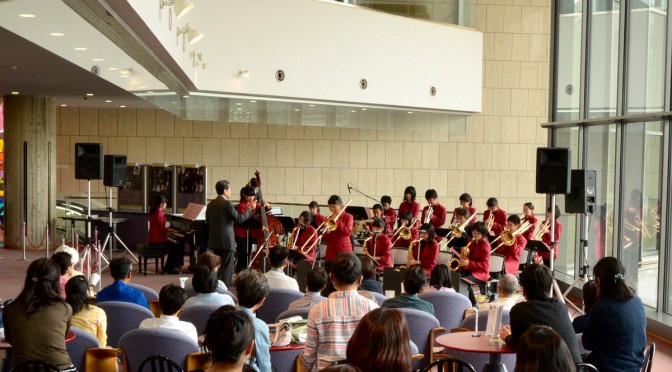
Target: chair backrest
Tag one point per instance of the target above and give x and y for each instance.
(198, 361)
(449, 365)
(159, 363)
(103, 359)
(586, 367)
(35, 366)
(302, 311)
(470, 321)
(380, 298)
(149, 293)
(648, 357)
(155, 308)
(278, 300)
(191, 292)
(399, 256)
(121, 318)
(198, 315)
(142, 343)
(524, 256)
(77, 347)
(449, 307)
(444, 258)
(420, 325)
(497, 263)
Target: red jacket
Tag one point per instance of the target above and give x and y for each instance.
(512, 254)
(438, 217)
(500, 220)
(339, 239)
(472, 211)
(413, 207)
(405, 242)
(383, 249)
(529, 233)
(157, 228)
(546, 239)
(428, 253)
(479, 259)
(239, 231)
(391, 219)
(317, 220)
(304, 235)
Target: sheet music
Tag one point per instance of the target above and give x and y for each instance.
(194, 212)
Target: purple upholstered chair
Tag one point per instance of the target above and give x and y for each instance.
(198, 315)
(423, 328)
(77, 347)
(449, 307)
(121, 318)
(380, 298)
(277, 302)
(149, 293)
(141, 343)
(303, 312)
(191, 292)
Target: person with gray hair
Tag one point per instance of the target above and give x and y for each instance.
(506, 290)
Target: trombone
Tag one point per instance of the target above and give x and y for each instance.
(330, 223)
(509, 238)
(457, 231)
(404, 232)
(542, 229)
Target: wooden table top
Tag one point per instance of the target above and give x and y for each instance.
(465, 341)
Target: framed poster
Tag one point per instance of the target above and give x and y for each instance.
(191, 185)
(160, 182)
(133, 197)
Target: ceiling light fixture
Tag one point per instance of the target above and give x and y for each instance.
(127, 71)
(80, 48)
(252, 101)
(97, 59)
(122, 106)
(15, 93)
(57, 34)
(244, 72)
(27, 15)
(108, 101)
(63, 105)
(89, 94)
(180, 7)
(192, 35)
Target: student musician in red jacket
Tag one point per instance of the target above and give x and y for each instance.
(317, 217)
(546, 238)
(512, 253)
(306, 237)
(476, 267)
(438, 216)
(499, 222)
(409, 204)
(465, 203)
(158, 235)
(243, 240)
(380, 246)
(428, 248)
(339, 239)
(379, 213)
(404, 220)
(528, 215)
(389, 212)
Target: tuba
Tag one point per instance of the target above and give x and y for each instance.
(454, 263)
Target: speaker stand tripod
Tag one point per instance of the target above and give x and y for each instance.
(91, 247)
(111, 234)
(584, 268)
(556, 289)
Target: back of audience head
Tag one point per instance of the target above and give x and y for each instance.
(63, 261)
(508, 284)
(415, 280)
(77, 293)
(440, 277)
(536, 281)
(610, 279)
(381, 342)
(209, 259)
(42, 285)
(120, 268)
(589, 296)
(368, 267)
(277, 256)
(316, 280)
(252, 287)
(204, 280)
(172, 298)
(341, 368)
(346, 270)
(541, 349)
(229, 336)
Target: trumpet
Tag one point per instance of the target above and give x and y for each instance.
(428, 216)
(491, 221)
(542, 229)
(330, 223)
(404, 232)
(509, 238)
(454, 264)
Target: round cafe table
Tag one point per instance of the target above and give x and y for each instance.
(466, 341)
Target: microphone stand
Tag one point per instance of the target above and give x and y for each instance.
(355, 189)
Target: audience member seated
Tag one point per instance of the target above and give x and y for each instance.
(539, 309)
(506, 290)
(86, 316)
(616, 328)
(316, 281)
(278, 258)
(171, 300)
(541, 349)
(38, 320)
(439, 279)
(589, 299)
(381, 342)
(415, 280)
(229, 339)
(369, 274)
(64, 262)
(332, 322)
(213, 262)
(252, 288)
(205, 284)
(121, 269)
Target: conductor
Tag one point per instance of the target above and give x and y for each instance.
(220, 216)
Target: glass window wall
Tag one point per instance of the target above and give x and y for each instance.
(603, 61)
(568, 63)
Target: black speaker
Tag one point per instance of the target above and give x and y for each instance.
(553, 170)
(115, 171)
(581, 198)
(88, 161)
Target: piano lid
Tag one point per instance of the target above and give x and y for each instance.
(193, 212)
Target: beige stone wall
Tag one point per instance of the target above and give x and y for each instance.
(496, 156)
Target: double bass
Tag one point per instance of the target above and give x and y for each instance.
(268, 236)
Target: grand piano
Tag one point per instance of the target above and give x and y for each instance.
(190, 227)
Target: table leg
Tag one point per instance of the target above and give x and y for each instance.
(495, 364)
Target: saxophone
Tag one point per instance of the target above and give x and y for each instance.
(409, 256)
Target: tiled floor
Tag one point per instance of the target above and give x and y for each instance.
(12, 275)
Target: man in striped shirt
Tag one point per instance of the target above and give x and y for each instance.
(333, 321)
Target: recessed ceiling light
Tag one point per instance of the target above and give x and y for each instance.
(57, 34)
(143, 87)
(64, 105)
(15, 93)
(238, 104)
(108, 101)
(311, 105)
(364, 109)
(297, 110)
(89, 94)
(26, 15)
(80, 48)
(124, 75)
(122, 106)
(134, 82)
(97, 59)
(185, 96)
(353, 110)
(253, 101)
(113, 68)
(410, 112)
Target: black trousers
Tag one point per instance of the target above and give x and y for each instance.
(175, 258)
(243, 248)
(225, 272)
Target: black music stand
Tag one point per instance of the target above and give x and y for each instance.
(442, 232)
(359, 213)
(393, 279)
(535, 246)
